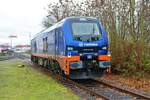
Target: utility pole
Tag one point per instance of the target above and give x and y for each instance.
(11, 37)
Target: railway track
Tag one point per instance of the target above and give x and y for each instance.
(110, 91)
(139, 94)
(100, 88)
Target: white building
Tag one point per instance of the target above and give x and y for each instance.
(22, 48)
(4, 48)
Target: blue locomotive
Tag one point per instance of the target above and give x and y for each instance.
(75, 46)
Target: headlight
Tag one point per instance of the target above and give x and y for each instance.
(69, 55)
(80, 54)
(108, 54)
(95, 54)
(104, 48)
(69, 48)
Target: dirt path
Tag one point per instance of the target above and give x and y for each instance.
(135, 83)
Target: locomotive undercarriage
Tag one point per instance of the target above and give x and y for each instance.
(83, 69)
(89, 69)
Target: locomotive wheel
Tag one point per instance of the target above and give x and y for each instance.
(52, 65)
(59, 70)
(36, 60)
(45, 63)
(40, 61)
(49, 64)
(55, 66)
(32, 59)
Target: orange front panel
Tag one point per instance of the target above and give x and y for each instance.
(65, 60)
(103, 57)
(73, 58)
(62, 61)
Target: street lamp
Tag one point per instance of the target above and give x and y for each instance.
(11, 37)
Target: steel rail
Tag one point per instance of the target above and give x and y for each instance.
(124, 89)
(87, 89)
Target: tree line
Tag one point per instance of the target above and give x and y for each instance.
(127, 23)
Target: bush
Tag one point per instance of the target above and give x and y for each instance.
(129, 58)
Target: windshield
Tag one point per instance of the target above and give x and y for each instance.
(86, 30)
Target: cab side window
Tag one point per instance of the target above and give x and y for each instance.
(45, 45)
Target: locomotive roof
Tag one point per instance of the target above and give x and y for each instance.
(62, 21)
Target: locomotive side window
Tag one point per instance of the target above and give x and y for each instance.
(35, 47)
(61, 40)
(45, 45)
(61, 33)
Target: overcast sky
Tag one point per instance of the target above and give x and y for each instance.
(21, 18)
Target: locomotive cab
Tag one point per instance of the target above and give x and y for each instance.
(86, 48)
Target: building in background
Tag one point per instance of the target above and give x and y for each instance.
(22, 48)
(4, 48)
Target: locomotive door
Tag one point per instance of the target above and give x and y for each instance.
(57, 44)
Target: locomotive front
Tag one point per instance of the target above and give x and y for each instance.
(86, 48)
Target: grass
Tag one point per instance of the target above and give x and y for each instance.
(5, 56)
(26, 83)
(2, 54)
